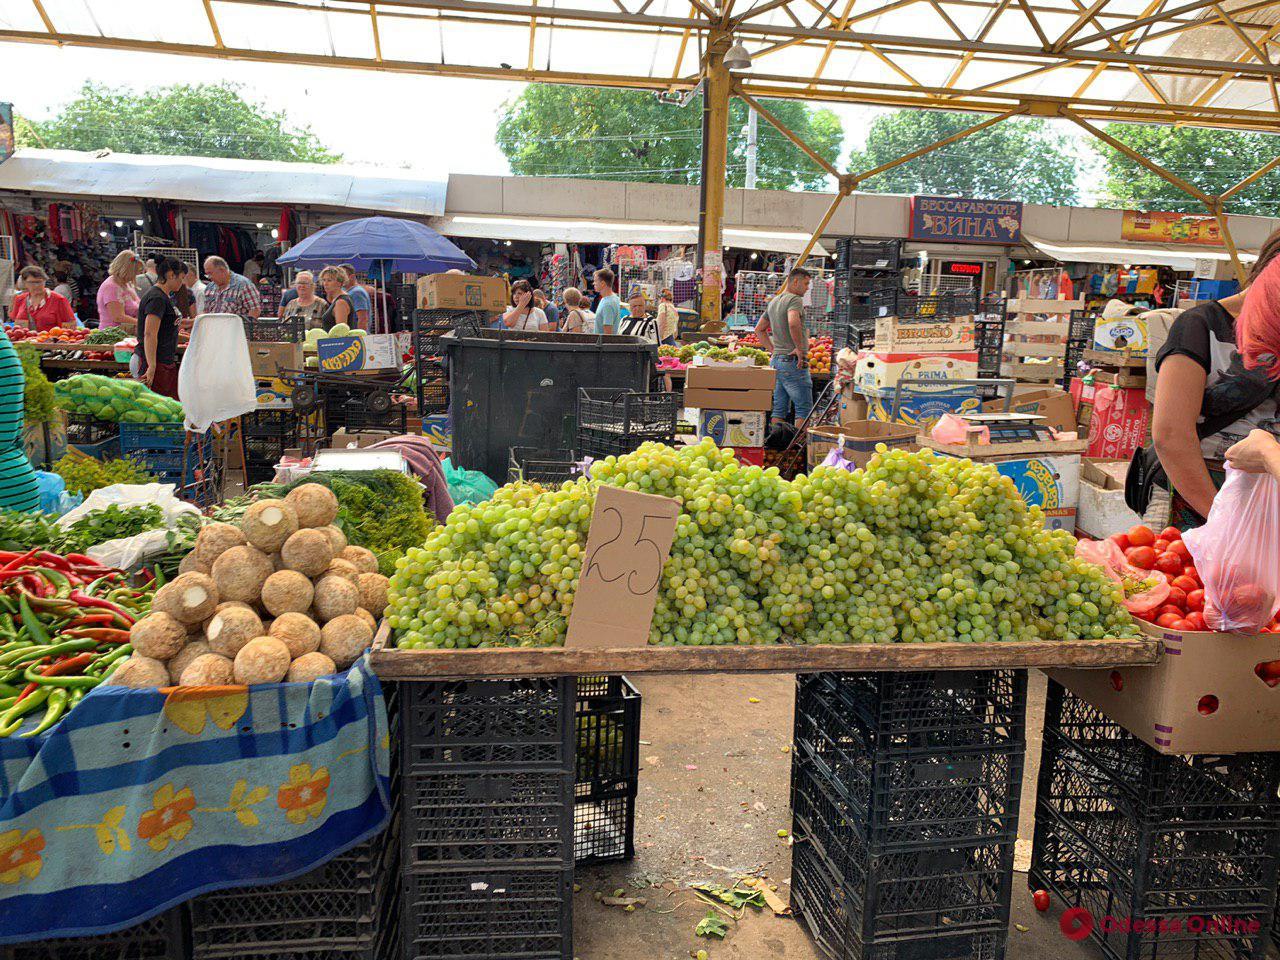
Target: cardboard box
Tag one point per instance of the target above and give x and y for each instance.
(458, 291)
(853, 405)
(1055, 407)
(382, 351)
(1122, 335)
(1119, 422)
(268, 359)
(342, 440)
(858, 441)
(920, 410)
(273, 394)
(731, 428)
(729, 388)
(1051, 483)
(904, 336)
(882, 371)
(1203, 696)
(750, 456)
(1101, 510)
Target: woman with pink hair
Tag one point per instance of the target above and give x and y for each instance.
(1218, 374)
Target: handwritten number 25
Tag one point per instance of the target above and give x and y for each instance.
(638, 564)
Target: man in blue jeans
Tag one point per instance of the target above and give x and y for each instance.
(781, 330)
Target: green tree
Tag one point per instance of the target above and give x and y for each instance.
(1212, 160)
(597, 133)
(200, 120)
(1013, 160)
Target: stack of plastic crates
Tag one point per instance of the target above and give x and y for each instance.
(754, 289)
(547, 467)
(608, 769)
(487, 844)
(165, 448)
(1079, 336)
(429, 326)
(275, 329)
(612, 422)
(863, 268)
(163, 937)
(904, 793)
(267, 434)
(94, 437)
(1186, 848)
(350, 410)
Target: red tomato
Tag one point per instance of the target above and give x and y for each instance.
(1169, 564)
(1196, 619)
(1184, 583)
(1190, 571)
(1170, 534)
(1141, 536)
(1144, 558)
(1041, 899)
(1177, 597)
(1180, 548)
(1183, 625)
(1167, 620)
(1160, 546)
(1121, 540)
(1195, 599)
(1170, 608)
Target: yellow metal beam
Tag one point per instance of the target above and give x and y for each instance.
(1223, 79)
(860, 178)
(1193, 7)
(533, 34)
(377, 36)
(822, 224)
(44, 18)
(1250, 179)
(213, 25)
(1216, 209)
(786, 131)
(715, 162)
(1035, 24)
(1128, 151)
(1083, 17)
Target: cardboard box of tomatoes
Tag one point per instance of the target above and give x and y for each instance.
(1210, 692)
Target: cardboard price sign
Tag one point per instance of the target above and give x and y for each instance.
(627, 546)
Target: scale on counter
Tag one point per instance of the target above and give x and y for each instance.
(1010, 427)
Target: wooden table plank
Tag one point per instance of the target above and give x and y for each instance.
(391, 663)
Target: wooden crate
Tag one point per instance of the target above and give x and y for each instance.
(1109, 359)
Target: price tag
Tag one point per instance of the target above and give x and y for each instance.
(627, 546)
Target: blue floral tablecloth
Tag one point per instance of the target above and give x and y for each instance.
(141, 799)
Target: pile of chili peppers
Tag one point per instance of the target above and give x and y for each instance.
(64, 628)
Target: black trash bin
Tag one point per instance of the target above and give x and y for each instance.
(520, 389)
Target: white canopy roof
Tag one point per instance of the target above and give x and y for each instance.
(218, 180)
(1179, 256)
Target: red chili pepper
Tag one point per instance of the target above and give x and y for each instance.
(37, 586)
(20, 560)
(92, 618)
(29, 689)
(69, 665)
(14, 574)
(101, 634)
(87, 601)
(53, 560)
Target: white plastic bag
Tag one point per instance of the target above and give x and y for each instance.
(215, 381)
(128, 551)
(1237, 552)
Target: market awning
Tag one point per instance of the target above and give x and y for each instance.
(1179, 256)
(622, 232)
(220, 180)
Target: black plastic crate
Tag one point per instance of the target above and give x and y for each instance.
(607, 774)
(433, 385)
(429, 326)
(275, 329)
(895, 302)
(85, 431)
(511, 723)
(1174, 842)
(547, 467)
(614, 422)
(270, 423)
(857, 901)
(504, 914)
(163, 937)
(345, 905)
(474, 816)
(856, 253)
(262, 454)
(988, 338)
(351, 412)
(1081, 325)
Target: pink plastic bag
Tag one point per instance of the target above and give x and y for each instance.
(1237, 553)
(953, 429)
(1144, 590)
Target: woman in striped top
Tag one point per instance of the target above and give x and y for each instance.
(18, 487)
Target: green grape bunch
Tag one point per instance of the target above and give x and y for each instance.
(915, 548)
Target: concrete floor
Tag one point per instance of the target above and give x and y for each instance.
(714, 785)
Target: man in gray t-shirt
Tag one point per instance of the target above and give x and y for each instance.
(781, 331)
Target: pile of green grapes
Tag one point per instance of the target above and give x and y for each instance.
(916, 548)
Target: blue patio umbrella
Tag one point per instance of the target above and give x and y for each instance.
(384, 242)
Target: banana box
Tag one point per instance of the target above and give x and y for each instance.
(1121, 335)
(380, 351)
(1050, 483)
(273, 393)
(920, 408)
(882, 371)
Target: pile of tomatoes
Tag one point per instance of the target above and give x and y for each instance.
(820, 355)
(55, 335)
(1165, 553)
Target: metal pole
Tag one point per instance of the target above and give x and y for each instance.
(715, 158)
(752, 146)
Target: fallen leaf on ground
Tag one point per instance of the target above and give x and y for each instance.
(712, 926)
(779, 907)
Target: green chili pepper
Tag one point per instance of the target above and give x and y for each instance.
(82, 682)
(8, 690)
(158, 580)
(58, 579)
(7, 629)
(56, 707)
(12, 718)
(31, 621)
(106, 660)
(78, 645)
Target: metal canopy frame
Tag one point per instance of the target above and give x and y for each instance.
(1208, 63)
